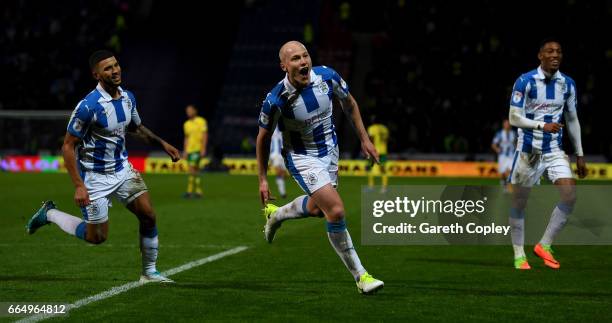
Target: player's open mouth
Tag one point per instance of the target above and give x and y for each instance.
(304, 71)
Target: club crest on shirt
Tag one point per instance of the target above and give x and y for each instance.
(312, 178)
(264, 119)
(323, 87)
(342, 83)
(78, 125)
(517, 96)
(563, 87)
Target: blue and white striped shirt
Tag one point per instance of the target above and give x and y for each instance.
(101, 122)
(505, 140)
(545, 101)
(305, 116)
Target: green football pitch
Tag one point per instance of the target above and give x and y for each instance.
(297, 278)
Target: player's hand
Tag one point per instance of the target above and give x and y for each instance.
(553, 127)
(174, 154)
(369, 151)
(264, 193)
(581, 168)
(185, 155)
(202, 153)
(81, 197)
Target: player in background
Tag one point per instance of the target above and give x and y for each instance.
(503, 145)
(379, 135)
(194, 149)
(301, 105)
(277, 162)
(540, 100)
(97, 162)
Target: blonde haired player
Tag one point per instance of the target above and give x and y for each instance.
(379, 134)
(196, 139)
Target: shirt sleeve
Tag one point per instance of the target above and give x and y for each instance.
(521, 87)
(134, 111)
(269, 113)
(80, 119)
(570, 102)
(341, 89)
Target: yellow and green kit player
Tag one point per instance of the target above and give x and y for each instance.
(379, 134)
(196, 139)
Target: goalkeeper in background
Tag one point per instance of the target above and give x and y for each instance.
(379, 134)
(196, 139)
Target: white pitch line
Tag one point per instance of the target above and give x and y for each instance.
(124, 288)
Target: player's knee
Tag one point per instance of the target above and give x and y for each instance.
(96, 239)
(336, 213)
(315, 212)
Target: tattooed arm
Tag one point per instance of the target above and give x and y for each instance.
(150, 138)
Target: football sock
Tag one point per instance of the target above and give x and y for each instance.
(385, 180)
(293, 210)
(280, 183)
(557, 221)
(68, 223)
(198, 188)
(149, 245)
(519, 251)
(517, 231)
(190, 180)
(370, 179)
(340, 239)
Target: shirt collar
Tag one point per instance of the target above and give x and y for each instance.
(542, 76)
(107, 97)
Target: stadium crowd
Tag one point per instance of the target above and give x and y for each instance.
(439, 74)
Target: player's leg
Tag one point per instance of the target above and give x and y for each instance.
(301, 207)
(197, 184)
(559, 172)
(524, 174)
(383, 171)
(520, 195)
(94, 229)
(371, 173)
(280, 181)
(149, 242)
(190, 176)
(133, 194)
(96, 216)
(328, 200)
(558, 218)
(195, 172)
